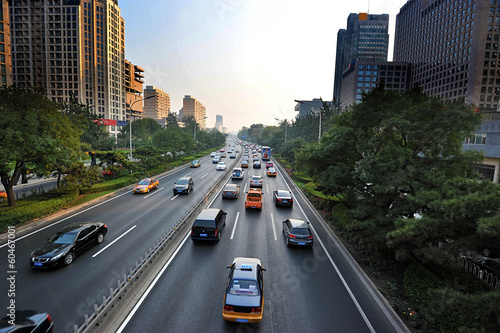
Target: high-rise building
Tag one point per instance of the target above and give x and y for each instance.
(70, 48)
(133, 88)
(366, 38)
(312, 107)
(5, 51)
(453, 48)
(192, 107)
(158, 107)
(218, 123)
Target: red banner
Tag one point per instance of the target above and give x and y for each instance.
(106, 122)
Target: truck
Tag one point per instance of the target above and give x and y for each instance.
(254, 199)
(266, 153)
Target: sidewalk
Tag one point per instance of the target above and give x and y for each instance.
(34, 180)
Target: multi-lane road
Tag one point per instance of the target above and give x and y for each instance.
(317, 290)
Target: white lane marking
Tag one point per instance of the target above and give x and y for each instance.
(126, 232)
(151, 286)
(187, 174)
(245, 188)
(174, 197)
(66, 218)
(274, 229)
(235, 223)
(204, 175)
(151, 193)
(344, 282)
(267, 187)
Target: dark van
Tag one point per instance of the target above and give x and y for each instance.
(208, 225)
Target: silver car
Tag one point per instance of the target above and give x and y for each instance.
(231, 191)
(237, 173)
(256, 181)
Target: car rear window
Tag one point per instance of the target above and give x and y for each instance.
(254, 195)
(204, 224)
(300, 231)
(243, 287)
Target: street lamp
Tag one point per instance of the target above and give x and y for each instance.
(319, 111)
(130, 122)
(286, 126)
(196, 123)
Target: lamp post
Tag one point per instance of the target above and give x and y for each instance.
(319, 111)
(130, 122)
(196, 123)
(286, 126)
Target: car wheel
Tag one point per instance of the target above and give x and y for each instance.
(218, 236)
(147, 191)
(68, 258)
(287, 241)
(100, 238)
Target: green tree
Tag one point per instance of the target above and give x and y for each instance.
(387, 149)
(33, 132)
(143, 131)
(173, 141)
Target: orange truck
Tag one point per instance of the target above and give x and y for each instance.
(254, 199)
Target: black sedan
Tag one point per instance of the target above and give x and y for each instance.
(282, 198)
(67, 243)
(26, 321)
(297, 232)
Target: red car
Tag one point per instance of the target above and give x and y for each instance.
(269, 165)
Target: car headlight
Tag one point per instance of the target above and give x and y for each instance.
(57, 257)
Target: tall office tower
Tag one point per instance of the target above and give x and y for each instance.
(192, 107)
(366, 38)
(453, 48)
(158, 107)
(218, 123)
(5, 53)
(133, 87)
(72, 47)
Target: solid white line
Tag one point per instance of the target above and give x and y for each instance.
(267, 187)
(151, 286)
(126, 232)
(204, 175)
(151, 193)
(235, 223)
(174, 197)
(274, 229)
(245, 190)
(64, 219)
(344, 282)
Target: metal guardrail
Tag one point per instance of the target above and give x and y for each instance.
(143, 266)
(490, 279)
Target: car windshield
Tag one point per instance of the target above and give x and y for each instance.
(284, 194)
(243, 287)
(63, 238)
(194, 162)
(182, 182)
(144, 182)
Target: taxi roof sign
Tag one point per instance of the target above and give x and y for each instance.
(246, 266)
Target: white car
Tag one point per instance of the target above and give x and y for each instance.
(221, 166)
(256, 181)
(215, 160)
(212, 154)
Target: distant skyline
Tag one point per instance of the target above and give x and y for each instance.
(247, 60)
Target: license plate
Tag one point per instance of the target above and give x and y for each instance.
(241, 320)
(203, 235)
(302, 243)
(285, 201)
(38, 264)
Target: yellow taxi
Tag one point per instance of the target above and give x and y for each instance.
(271, 172)
(146, 185)
(244, 164)
(3, 194)
(244, 295)
(195, 164)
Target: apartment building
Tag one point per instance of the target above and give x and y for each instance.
(134, 80)
(157, 108)
(193, 107)
(5, 51)
(72, 48)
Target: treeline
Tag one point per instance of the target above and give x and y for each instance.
(405, 189)
(40, 136)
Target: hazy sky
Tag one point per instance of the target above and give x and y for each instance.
(246, 60)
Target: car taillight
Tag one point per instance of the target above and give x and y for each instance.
(256, 310)
(216, 231)
(310, 237)
(48, 318)
(228, 308)
(192, 231)
(224, 192)
(280, 200)
(104, 226)
(292, 236)
(290, 200)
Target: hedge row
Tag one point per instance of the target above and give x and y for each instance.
(21, 213)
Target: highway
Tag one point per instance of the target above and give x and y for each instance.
(316, 290)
